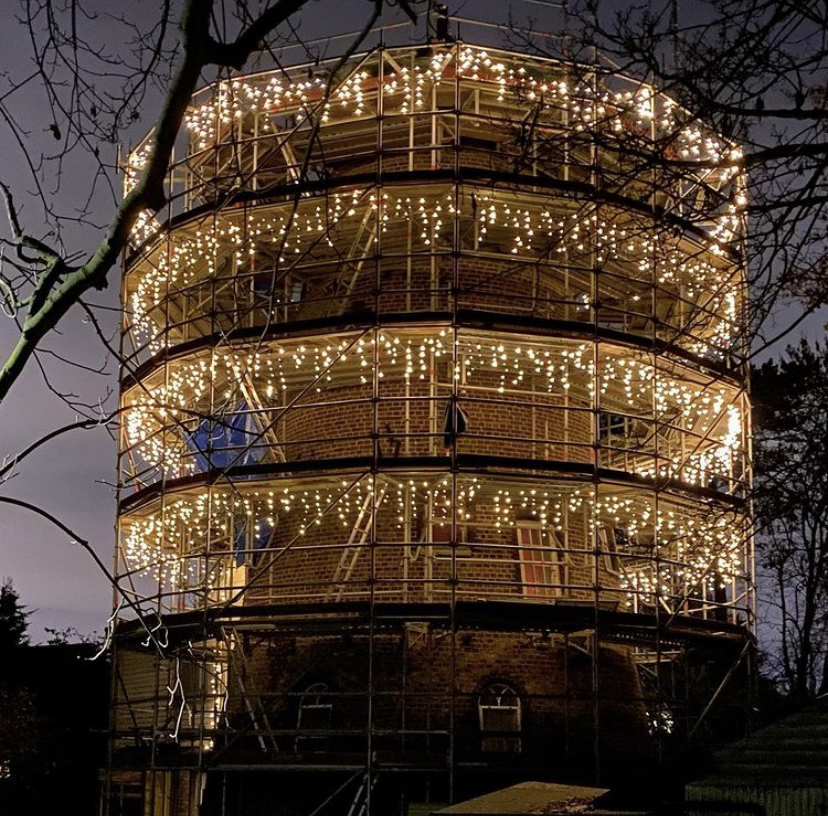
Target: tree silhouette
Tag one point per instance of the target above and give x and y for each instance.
(40, 279)
(13, 619)
(791, 499)
(755, 72)
(96, 73)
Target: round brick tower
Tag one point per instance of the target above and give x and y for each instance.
(434, 453)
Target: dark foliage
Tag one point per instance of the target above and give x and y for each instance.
(53, 716)
(13, 620)
(791, 468)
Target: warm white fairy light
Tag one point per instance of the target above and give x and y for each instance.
(589, 105)
(700, 423)
(701, 549)
(146, 223)
(693, 426)
(187, 260)
(228, 114)
(668, 553)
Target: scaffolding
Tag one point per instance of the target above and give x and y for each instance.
(435, 460)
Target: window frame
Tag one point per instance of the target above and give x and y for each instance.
(546, 555)
(502, 740)
(314, 742)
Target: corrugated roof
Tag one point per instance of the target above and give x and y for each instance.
(530, 798)
(790, 753)
(781, 770)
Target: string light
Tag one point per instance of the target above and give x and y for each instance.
(183, 268)
(162, 417)
(696, 551)
(622, 268)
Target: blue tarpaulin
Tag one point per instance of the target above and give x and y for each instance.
(233, 439)
(260, 539)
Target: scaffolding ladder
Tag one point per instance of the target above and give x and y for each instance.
(351, 268)
(359, 535)
(255, 709)
(359, 807)
(266, 429)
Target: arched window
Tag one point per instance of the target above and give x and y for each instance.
(499, 713)
(314, 715)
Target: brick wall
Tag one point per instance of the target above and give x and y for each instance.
(428, 683)
(410, 420)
